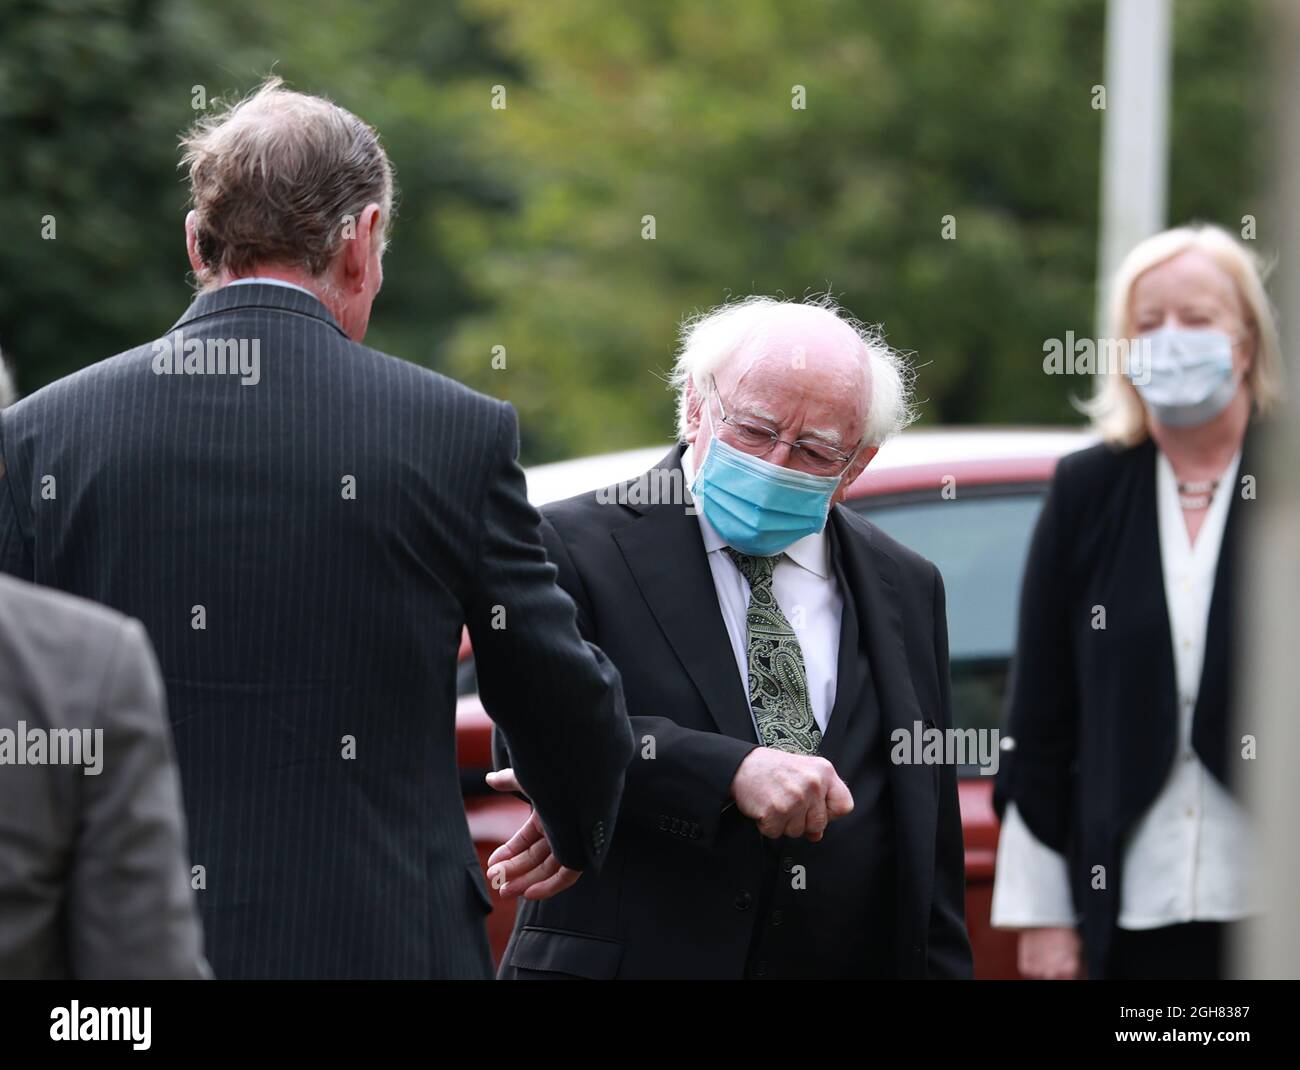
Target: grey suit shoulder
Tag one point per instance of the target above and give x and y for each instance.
(92, 850)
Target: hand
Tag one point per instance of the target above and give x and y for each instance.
(790, 794)
(1049, 954)
(525, 864)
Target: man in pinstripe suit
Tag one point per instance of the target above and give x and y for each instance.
(304, 525)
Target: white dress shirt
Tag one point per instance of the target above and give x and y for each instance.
(1190, 857)
(806, 590)
(271, 282)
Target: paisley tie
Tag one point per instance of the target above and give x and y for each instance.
(778, 680)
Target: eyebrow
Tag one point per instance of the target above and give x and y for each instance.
(1203, 305)
(760, 414)
(831, 437)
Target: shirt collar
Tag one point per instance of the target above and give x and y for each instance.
(270, 282)
(812, 552)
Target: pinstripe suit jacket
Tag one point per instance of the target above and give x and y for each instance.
(304, 550)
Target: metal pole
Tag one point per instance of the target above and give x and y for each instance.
(1268, 706)
(1135, 134)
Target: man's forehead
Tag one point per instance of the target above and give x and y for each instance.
(835, 412)
(778, 373)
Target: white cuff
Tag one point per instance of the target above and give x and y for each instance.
(1031, 882)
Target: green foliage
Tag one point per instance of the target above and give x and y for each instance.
(916, 110)
(522, 227)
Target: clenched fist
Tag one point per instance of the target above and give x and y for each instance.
(789, 794)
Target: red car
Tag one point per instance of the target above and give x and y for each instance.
(966, 499)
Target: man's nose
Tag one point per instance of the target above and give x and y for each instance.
(780, 454)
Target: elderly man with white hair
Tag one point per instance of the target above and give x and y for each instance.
(771, 641)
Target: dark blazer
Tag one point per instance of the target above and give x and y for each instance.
(304, 553)
(1092, 712)
(94, 875)
(691, 888)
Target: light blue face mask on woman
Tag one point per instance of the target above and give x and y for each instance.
(758, 507)
(1187, 377)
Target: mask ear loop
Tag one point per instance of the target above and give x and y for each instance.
(852, 457)
(699, 464)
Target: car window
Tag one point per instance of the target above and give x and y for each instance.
(466, 677)
(979, 543)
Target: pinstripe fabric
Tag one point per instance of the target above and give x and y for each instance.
(324, 617)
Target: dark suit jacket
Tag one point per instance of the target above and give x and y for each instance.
(691, 888)
(1093, 711)
(308, 637)
(94, 876)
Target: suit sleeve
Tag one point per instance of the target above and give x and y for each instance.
(558, 698)
(15, 553)
(948, 951)
(132, 911)
(1037, 772)
(684, 789)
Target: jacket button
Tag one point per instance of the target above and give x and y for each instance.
(777, 917)
(743, 901)
(760, 970)
(787, 864)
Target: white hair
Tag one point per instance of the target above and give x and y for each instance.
(709, 339)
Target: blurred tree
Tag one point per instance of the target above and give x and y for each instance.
(521, 227)
(93, 95)
(918, 112)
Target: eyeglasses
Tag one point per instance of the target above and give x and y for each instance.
(760, 439)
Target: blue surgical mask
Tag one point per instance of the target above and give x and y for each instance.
(1184, 376)
(758, 507)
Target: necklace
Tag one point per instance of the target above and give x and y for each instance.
(1197, 495)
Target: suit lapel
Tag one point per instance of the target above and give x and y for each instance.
(871, 578)
(851, 663)
(1147, 722)
(871, 575)
(1214, 695)
(665, 554)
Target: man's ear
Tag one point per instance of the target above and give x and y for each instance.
(864, 458)
(358, 245)
(192, 242)
(693, 410)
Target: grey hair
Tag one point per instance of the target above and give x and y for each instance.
(8, 393)
(275, 178)
(709, 339)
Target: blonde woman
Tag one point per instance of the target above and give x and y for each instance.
(1125, 851)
